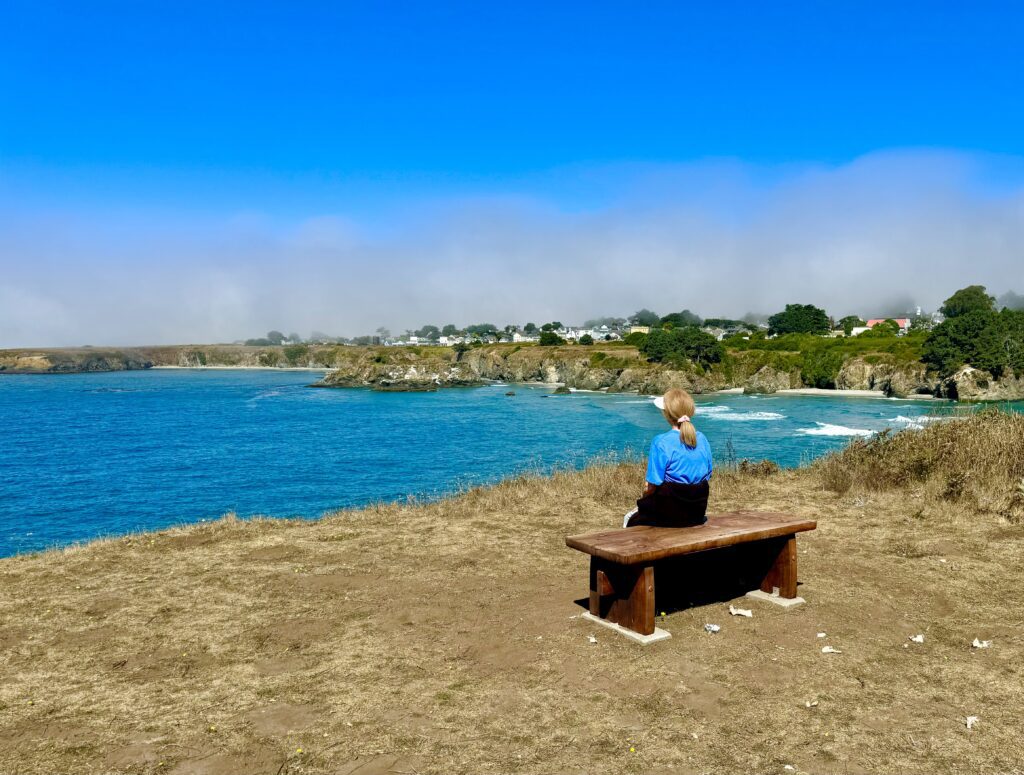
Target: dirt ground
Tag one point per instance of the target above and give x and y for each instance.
(445, 638)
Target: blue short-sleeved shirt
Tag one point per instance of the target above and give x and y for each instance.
(672, 461)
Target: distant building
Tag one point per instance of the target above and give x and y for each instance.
(639, 330)
(903, 323)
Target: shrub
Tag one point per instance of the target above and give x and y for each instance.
(295, 352)
(688, 343)
(550, 339)
(821, 367)
(586, 339)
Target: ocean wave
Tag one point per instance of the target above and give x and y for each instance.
(921, 418)
(749, 416)
(712, 409)
(826, 429)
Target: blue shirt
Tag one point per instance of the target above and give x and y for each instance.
(672, 461)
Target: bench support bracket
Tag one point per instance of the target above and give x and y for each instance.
(781, 577)
(623, 594)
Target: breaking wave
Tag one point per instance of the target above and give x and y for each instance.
(749, 416)
(826, 429)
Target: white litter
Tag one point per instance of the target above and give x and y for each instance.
(741, 612)
(811, 704)
(830, 650)
(917, 638)
(822, 634)
(592, 639)
(711, 628)
(971, 721)
(788, 767)
(981, 644)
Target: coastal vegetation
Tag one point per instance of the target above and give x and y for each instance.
(975, 351)
(280, 646)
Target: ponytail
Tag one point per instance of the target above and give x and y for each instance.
(687, 433)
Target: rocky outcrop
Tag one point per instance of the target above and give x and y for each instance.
(970, 384)
(897, 379)
(64, 362)
(768, 379)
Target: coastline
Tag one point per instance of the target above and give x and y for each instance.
(241, 368)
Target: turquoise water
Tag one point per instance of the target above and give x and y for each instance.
(90, 455)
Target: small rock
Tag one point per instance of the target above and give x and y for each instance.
(822, 634)
(592, 639)
(711, 628)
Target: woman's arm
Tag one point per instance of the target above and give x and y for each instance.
(650, 488)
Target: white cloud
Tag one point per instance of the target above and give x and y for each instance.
(720, 238)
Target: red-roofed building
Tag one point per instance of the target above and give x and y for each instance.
(903, 323)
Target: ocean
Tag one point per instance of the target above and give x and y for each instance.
(89, 455)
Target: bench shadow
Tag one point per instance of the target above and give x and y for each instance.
(704, 578)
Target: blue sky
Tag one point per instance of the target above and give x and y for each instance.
(410, 127)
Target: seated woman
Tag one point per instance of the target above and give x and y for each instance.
(678, 470)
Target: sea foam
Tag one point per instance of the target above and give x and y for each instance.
(749, 416)
(826, 429)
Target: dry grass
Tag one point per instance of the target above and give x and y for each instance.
(440, 638)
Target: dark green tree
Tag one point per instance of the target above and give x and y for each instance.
(275, 337)
(975, 338)
(799, 319)
(689, 343)
(973, 298)
(530, 328)
(681, 319)
(449, 330)
(550, 339)
(586, 339)
(482, 329)
(429, 332)
(849, 323)
(644, 317)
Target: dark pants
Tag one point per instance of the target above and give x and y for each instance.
(673, 505)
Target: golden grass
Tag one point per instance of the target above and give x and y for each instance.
(440, 638)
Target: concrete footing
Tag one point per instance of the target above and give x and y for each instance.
(654, 637)
(773, 597)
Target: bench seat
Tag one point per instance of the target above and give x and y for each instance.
(622, 560)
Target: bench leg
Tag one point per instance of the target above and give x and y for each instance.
(623, 594)
(782, 574)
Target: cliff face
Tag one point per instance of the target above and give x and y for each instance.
(897, 379)
(624, 371)
(71, 361)
(616, 369)
(970, 384)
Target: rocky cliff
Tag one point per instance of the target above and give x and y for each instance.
(612, 368)
(894, 378)
(970, 384)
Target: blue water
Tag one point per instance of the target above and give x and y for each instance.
(99, 454)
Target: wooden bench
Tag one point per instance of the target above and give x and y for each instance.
(622, 562)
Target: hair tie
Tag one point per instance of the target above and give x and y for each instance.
(682, 419)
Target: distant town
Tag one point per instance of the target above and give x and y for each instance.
(614, 329)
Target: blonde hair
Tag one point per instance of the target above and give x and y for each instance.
(679, 403)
